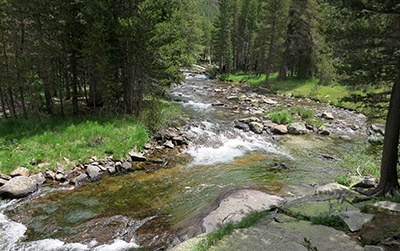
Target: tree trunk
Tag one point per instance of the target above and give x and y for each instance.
(389, 181)
(3, 104)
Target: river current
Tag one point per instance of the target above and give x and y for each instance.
(145, 211)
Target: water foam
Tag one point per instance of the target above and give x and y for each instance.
(213, 145)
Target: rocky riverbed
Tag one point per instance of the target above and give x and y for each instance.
(228, 143)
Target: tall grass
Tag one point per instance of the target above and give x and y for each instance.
(27, 143)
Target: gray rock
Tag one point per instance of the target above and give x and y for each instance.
(169, 144)
(249, 120)
(323, 130)
(50, 175)
(297, 128)
(147, 146)
(269, 124)
(111, 169)
(93, 172)
(231, 98)
(279, 129)
(79, 179)
(39, 178)
(256, 127)
(61, 177)
(20, 171)
(366, 182)
(331, 188)
(373, 248)
(377, 129)
(355, 220)
(392, 206)
(127, 166)
(18, 187)
(242, 126)
(344, 137)
(137, 156)
(237, 205)
(327, 115)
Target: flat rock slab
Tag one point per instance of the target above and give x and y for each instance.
(288, 236)
(392, 206)
(355, 220)
(237, 205)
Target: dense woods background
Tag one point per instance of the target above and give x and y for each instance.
(58, 56)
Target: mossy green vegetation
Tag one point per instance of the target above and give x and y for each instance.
(76, 139)
(213, 237)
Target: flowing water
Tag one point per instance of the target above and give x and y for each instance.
(144, 211)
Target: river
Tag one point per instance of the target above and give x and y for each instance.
(146, 211)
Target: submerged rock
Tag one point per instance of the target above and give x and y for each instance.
(18, 187)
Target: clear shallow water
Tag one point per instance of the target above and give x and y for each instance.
(145, 210)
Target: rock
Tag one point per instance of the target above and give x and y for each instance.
(79, 179)
(327, 115)
(279, 129)
(249, 120)
(237, 205)
(60, 177)
(332, 188)
(269, 124)
(18, 187)
(376, 129)
(323, 130)
(147, 146)
(355, 220)
(217, 104)
(375, 140)
(331, 158)
(111, 169)
(242, 126)
(179, 140)
(344, 137)
(256, 127)
(93, 172)
(392, 206)
(373, 248)
(232, 98)
(297, 128)
(127, 166)
(39, 178)
(288, 234)
(137, 156)
(366, 182)
(269, 101)
(50, 175)
(20, 171)
(169, 144)
(5, 176)
(3, 181)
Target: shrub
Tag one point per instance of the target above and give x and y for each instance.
(281, 116)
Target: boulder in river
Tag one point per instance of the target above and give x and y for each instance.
(93, 172)
(279, 129)
(39, 178)
(256, 127)
(327, 115)
(323, 130)
(297, 128)
(18, 187)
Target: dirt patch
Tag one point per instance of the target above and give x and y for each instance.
(383, 230)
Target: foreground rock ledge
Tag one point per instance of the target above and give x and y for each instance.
(239, 204)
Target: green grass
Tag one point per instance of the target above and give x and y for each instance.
(281, 115)
(213, 237)
(27, 143)
(332, 93)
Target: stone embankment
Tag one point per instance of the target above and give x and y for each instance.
(21, 183)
